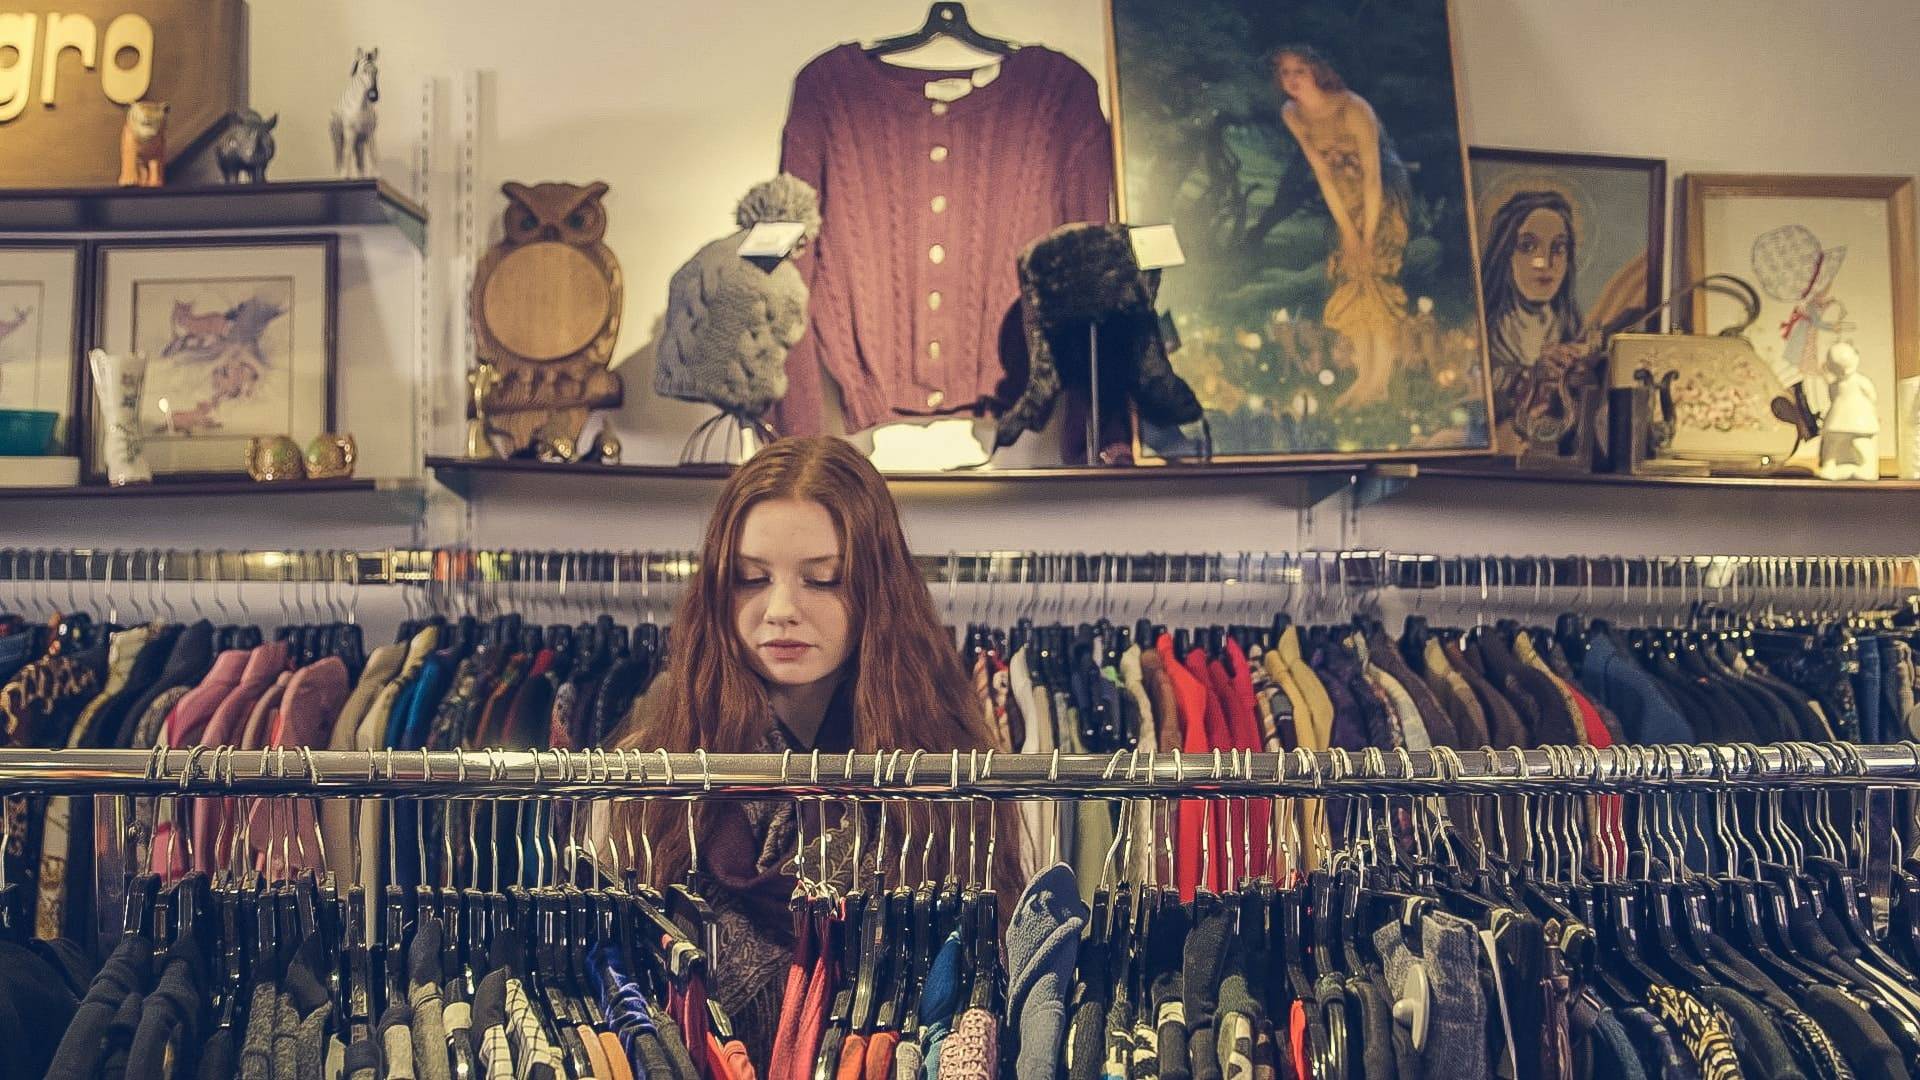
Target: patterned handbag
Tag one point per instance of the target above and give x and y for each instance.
(1724, 404)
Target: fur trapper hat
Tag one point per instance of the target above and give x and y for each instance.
(1080, 276)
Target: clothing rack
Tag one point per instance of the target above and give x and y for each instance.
(954, 775)
(1490, 574)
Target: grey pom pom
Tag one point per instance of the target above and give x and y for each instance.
(784, 198)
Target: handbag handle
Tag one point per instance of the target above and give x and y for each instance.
(1725, 284)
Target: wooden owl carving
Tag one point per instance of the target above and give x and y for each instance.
(546, 310)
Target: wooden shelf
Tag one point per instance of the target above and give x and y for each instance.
(447, 467)
(191, 489)
(294, 204)
(1299, 484)
(1310, 483)
(1500, 472)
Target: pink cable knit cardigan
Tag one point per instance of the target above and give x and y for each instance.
(922, 198)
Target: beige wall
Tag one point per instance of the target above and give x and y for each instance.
(679, 106)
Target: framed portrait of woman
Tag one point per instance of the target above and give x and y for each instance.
(1307, 154)
(1570, 249)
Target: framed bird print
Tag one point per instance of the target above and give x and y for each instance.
(239, 339)
(1832, 258)
(42, 302)
(1308, 155)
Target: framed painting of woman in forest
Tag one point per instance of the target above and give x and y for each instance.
(1570, 248)
(1309, 158)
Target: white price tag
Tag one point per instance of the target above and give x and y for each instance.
(1156, 246)
(771, 239)
(949, 89)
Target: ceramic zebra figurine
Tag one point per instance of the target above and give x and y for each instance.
(354, 120)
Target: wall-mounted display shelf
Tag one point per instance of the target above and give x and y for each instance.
(295, 204)
(195, 489)
(1499, 472)
(1315, 482)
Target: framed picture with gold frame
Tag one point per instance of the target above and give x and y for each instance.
(1309, 156)
(1832, 258)
(1570, 244)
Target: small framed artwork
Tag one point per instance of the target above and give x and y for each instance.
(1571, 247)
(1832, 258)
(239, 340)
(1308, 155)
(42, 313)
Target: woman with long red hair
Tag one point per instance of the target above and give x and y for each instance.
(807, 626)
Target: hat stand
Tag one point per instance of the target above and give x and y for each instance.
(729, 437)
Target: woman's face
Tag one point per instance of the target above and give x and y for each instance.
(1294, 76)
(789, 606)
(1540, 257)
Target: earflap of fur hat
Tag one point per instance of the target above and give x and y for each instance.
(1035, 404)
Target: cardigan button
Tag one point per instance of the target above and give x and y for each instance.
(939, 108)
(933, 300)
(939, 204)
(936, 399)
(933, 350)
(937, 154)
(937, 254)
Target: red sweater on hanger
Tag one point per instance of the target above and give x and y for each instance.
(1244, 718)
(1610, 806)
(1191, 696)
(1218, 737)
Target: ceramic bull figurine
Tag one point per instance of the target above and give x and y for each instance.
(246, 147)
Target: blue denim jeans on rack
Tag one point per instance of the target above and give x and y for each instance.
(1866, 691)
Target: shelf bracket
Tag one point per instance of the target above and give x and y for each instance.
(1368, 485)
(457, 480)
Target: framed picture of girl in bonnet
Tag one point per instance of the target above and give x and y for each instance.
(1833, 261)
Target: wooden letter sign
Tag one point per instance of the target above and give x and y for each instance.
(68, 73)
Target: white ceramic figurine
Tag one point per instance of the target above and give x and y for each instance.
(354, 120)
(1850, 430)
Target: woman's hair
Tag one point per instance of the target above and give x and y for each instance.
(1496, 266)
(1327, 79)
(909, 689)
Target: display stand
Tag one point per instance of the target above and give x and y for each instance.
(726, 438)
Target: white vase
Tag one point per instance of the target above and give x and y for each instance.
(118, 382)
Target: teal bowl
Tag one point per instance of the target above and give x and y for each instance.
(26, 432)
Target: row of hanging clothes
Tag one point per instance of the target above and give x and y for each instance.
(117, 663)
(1650, 653)
(1235, 653)
(279, 970)
(1720, 926)
(472, 634)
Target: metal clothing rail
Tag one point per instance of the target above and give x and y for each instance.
(948, 775)
(1490, 574)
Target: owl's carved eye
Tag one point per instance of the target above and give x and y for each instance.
(576, 220)
(528, 221)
